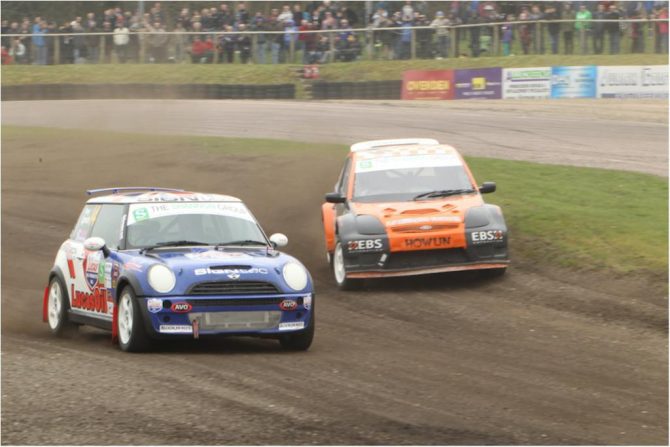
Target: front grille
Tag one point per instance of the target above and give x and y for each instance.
(236, 321)
(418, 229)
(233, 288)
(238, 302)
(425, 258)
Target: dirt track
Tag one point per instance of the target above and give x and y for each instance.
(539, 357)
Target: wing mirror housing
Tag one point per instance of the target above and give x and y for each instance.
(96, 244)
(335, 197)
(487, 187)
(279, 240)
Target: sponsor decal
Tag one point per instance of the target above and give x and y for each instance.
(365, 245)
(573, 82)
(428, 242)
(291, 326)
(139, 213)
(633, 81)
(181, 307)
(154, 305)
(527, 83)
(426, 220)
(482, 237)
(134, 266)
(107, 274)
(92, 266)
(288, 305)
(115, 274)
(93, 302)
(231, 273)
(478, 83)
(214, 255)
(307, 302)
(175, 329)
(393, 162)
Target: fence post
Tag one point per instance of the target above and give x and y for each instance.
(291, 50)
(331, 38)
(254, 48)
(101, 53)
(370, 35)
(413, 45)
(496, 40)
(142, 42)
(215, 56)
(56, 55)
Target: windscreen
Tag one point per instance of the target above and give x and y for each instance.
(213, 223)
(402, 178)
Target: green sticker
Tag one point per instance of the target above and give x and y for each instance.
(141, 214)
(101, 272)
(365, 164)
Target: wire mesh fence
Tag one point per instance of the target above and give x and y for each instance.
(341, 45)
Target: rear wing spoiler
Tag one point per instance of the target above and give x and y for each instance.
(90, 192)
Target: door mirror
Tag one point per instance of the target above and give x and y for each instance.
(487, 187)
(279, 240)
(96, 244)
(335, 197)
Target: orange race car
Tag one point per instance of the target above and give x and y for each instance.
(410, 207)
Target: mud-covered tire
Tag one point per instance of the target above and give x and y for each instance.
(131, 332)
(340, 271)
(299, 341)
(58, 305)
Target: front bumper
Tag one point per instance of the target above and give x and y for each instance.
(423, 262)
(233, 315)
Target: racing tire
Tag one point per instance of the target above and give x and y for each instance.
(299, 341)
(58, 305)
(493, 273)
(340, 271)
(132, 334)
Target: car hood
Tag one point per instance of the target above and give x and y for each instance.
(448, 210)
(203, 264)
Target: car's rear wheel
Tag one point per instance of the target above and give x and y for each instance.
(340, 271)
(57, 307)
(131, 331)
(299, 341)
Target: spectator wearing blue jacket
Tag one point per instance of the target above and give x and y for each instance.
(39, 30)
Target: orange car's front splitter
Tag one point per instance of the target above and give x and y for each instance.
(426, 271)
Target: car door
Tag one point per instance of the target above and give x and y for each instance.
(91, 292)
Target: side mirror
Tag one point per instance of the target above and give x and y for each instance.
(487, 187)
(335, 197)
(96, 244)
(279, 240)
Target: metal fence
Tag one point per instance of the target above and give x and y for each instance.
(342, 45)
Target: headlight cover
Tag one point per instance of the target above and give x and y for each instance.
(161, 278)
(295, 276)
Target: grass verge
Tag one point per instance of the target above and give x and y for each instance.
(572, 217)
(280, 74)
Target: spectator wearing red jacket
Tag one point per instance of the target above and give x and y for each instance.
(661, 42)
(202, 51)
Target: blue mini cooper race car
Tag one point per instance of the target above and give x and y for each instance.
(151, 263)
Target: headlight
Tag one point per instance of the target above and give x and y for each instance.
(295, 276)
(161, 278)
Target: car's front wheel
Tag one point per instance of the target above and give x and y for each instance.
(130, 327)
(57, 307)
(340, 271)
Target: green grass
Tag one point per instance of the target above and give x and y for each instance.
(565, 216)
(279, 74)
(582, 217)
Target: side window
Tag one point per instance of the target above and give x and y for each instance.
(344, 178)
(108, 225)
(86, 220)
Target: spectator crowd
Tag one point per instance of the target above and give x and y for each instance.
(282, 33)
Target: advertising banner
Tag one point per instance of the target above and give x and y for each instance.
(633, 81)
(480, 83)
(574, 82)
(422, 84)
(527, 83)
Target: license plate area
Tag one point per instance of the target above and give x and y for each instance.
(235, 321)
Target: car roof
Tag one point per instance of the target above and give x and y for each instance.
(401, 150)
(161, 197)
